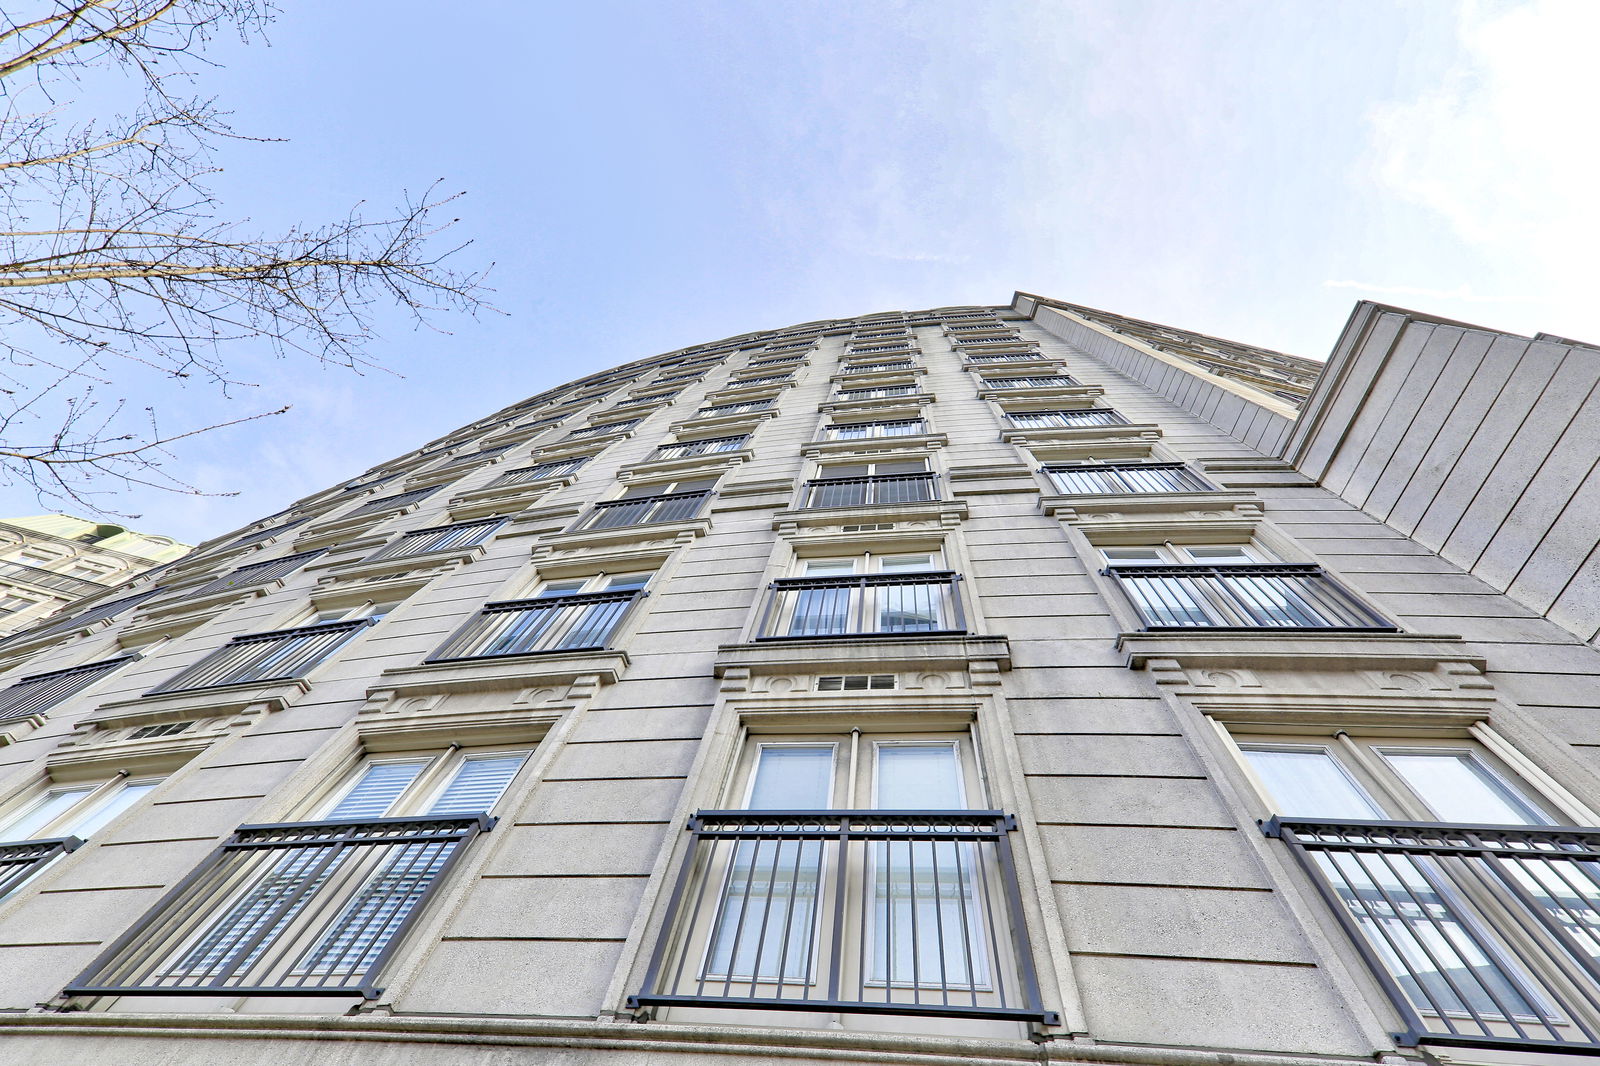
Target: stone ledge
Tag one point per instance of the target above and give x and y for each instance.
(501, 674)
(1280, 650)
(198, 703)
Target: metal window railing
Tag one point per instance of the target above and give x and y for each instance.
(1089, 416)
(877, 368)
(477, 457)
(602, 429)
(905, 427)
(439, 538)
(863, 605)
(255, 574)
(393, 503)
(33, 695)
(1042, 381)
(643, 510)
(867, 491)
(97, 613)
(1004, 357)
(979, 327)
(33, 575)
(857, 912)
(275, 656)
(872, 348)
(882, 391)
(576, 622)
(1243, 596)
(526, 474)
(1120, 478)
(272, 531)
(688, 448)
(765, 379)
(22, 859)
(734, 408)
(1480, 935)
(296, 908)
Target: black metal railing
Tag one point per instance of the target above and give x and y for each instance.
(275, 656)
(860, 912)
(1480, 935)
(1005, 357)
(575, 622)
(523, 475)
(881, 392)
(296, 908)
(1122, 478)
(602, 429)
(1032, 381)
(1243, 596)
(689, 448)
(733, 408)
(99, 612)
(877, 368)
(396, 502)
(273, 531)
(255, 574)
(764, 379)
(22, 859)
(48, 579)
(867, 491)
(1088, 416)
(864, 605)
(903, 427)
(668, 507)
(439, 538)
(40, 692)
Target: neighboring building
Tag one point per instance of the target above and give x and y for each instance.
(911, 688)
(48, 561)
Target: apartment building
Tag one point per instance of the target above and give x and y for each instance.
(980, 684)
(49, 561)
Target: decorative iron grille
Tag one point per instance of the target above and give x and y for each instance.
(295, 908)
(439, 538)
(860, 912)
(576, 622)
(1038, 381)
(49, 579)
(867, 491)
(275, 656)
(21, 860)
(255, 574)
(1089, 416)
(641, 510)
(709, 446)
(36, 694)
(864, 605)
(903, 427)
(1121, 478)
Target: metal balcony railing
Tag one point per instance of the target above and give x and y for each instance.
(1121, 478)
(903, 427)
(1089, 416)
(868, 491)
(88, 616)
(733, 408)
(576, 622)
(36, 694)
(393, 503)
(526, 474)
(668, 507)
(1243, 596)
(439, 538)
(255, 574)
(864, 605)
(295, 908)
(765, 379)
(22, 859)
(1004, 357)
(1480, 935)
(881, 392)
(1040, 381)
(33, 575)
(877, 368)
(273, 531)
(857, 912)
(602, 429)
(275, 656)
(686, 449)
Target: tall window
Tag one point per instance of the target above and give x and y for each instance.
(865, 595)
(563, 615)
(41, 828)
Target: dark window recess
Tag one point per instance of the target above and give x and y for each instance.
(560, 468)
(393, 503)
(856, 682)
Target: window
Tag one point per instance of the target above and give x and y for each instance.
(1124, 478)
(902, 427)
(315, 907)
(864, 484)
(709, 446)
(1088, 416)
(553, 469)
(664, 501)
(734, 408)
(564, 615)
(1035, 381)
(867, 595)
(884, 914)
(440, 538)
(276, 656)
(12, 604)
(398, 502)
(254, 574)
(1233, 587)
(879, 393)
(1446, 872)
(40, 692)
(882, 367)
(57, 820)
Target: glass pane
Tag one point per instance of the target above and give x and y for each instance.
(904, 564)
(919, 777)
(26, 824)
(92, 821)
(1461, 789)
(1219, 555)
(796, 778)
(478, 784)
(376, 790)
(1310, 784)
(1132, 555)
(627, 581)
(829, 567)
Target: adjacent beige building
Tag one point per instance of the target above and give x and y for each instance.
(48, 561)
(981, 684)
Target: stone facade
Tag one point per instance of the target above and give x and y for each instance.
(49, 561)
(483, 757)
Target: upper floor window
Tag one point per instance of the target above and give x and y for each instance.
(661, 501)
(1088, 416)
(879, 393)
(279, 655)
(862, 484)
(735, 408)
(541, 471)
(865, 595)
(1124, 477)
(40, 692)
(439, 538)
(899, 427)
(711, 445)
(880, 367)
(54, 821)
(603, 428)
(570, 614)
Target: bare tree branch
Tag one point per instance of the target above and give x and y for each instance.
(115, 258)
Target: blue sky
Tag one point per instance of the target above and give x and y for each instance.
(646, 176)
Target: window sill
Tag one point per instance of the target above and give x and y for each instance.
(157, 708)
(1067, 435)
(865, 654)
(937, 512)
(710, 462)
(629, 536)
(500, 673)
(817, 448)
(1106, 510)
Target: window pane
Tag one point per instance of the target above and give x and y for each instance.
(1219, 555)
(919, 777)
(829, 567)
(26, 824)
(1310, 784)
(792, 778)
(92, 821)
(478, 784)
(376, 789)
(1461, 789)
(902, 564)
